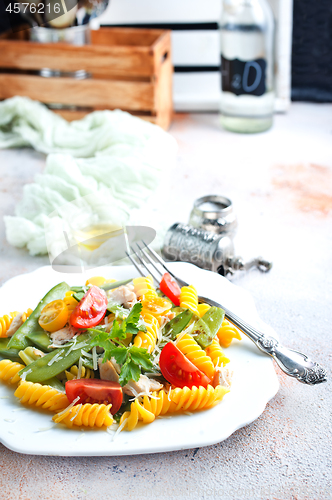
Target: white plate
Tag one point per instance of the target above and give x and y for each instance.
(30, 431)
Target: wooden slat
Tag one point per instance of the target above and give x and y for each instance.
(126, 36)
(92, 58)
(164, 95)
(89, 93)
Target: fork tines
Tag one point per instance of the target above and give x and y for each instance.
(146, 261)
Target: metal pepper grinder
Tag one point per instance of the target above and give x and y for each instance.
(207, 241)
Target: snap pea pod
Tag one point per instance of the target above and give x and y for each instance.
(19, 339)
(116, 284)
(177, 309)
(28, 356)
(177, 324)
(45, 368)
(7, 353)
(207, 326)
(81, 290)
(214, 318)
(41, 340)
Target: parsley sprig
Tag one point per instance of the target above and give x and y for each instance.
(132, 359)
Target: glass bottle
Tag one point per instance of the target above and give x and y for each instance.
(247, 65)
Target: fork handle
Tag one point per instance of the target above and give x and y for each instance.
(293, 363)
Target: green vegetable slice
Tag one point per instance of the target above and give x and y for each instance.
(19, 340)
(41, 340)
(7, 353)
(206, 328)
(56, 362)
(177, 324)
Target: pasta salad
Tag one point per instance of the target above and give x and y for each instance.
(117, 352)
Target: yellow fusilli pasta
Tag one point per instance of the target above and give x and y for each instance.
(148, 339)
(144, 286)
(202, 309)
(88, 415)
(26, 314)
(227, 332)
(215, 352)
(7, 319)
(43, 396)
(189, 298)
(73, 372)
(178, 400)
(9, 371)
(189, 347)
(5, 322)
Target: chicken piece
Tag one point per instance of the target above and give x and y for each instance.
(116, 366)
(38, 353)
(15, 325)
(62, 336)
(124, 296)
(144, 385)
(223, 376)
(107, 371)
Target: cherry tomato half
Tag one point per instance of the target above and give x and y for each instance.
(90, 310)
(54, 316)
(170, 288)
(178, 370)
(95, 391)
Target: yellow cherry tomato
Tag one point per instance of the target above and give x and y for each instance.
(54, 316)
(155, 305)
(96, 281)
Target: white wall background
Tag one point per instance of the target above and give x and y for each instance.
(201, 90)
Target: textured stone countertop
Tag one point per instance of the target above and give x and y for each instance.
(281, 185)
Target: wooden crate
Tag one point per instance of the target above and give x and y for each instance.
(131, 70)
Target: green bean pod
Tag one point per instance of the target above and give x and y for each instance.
(177, 324)
(45, 368)
(19, 340)
(207, 326)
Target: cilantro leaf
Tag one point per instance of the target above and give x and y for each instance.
(118, 332)
(134, 314)
(101, 339)
(119, 311)
(120, 354)
(141, 357)
(131, 329)
(129, 371)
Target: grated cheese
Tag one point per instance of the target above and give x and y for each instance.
(72, 346)
(120, 428)
(57, 357)
(44, 429)
(80, 363)
(77, 412)
(94, 357)
(87, 354)
(68, 407)
(24, 374)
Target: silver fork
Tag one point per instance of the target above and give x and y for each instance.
(293, 363)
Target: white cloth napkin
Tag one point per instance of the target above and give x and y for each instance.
(110, 158)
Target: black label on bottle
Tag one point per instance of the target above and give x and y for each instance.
(243, 77)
